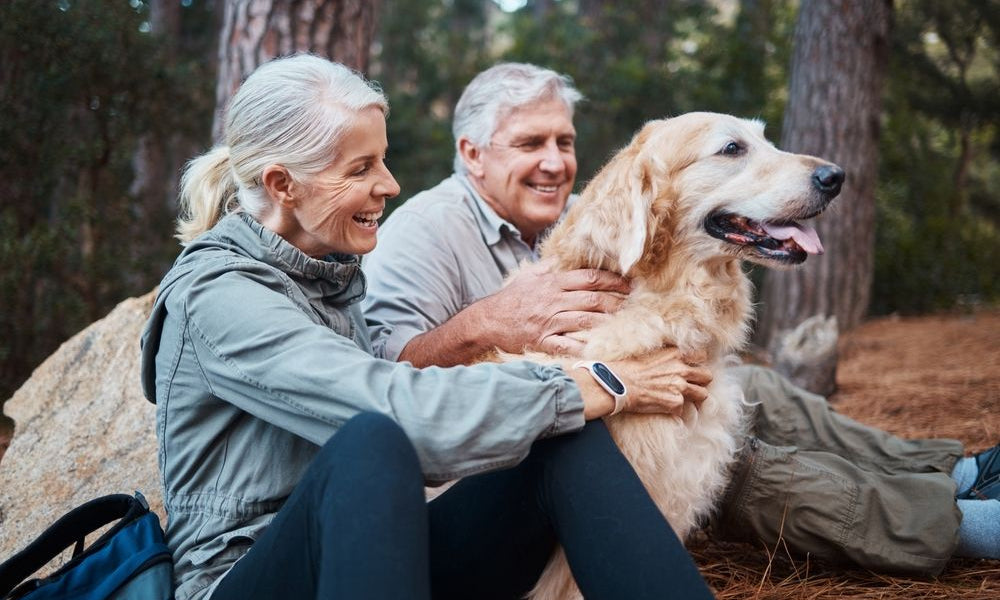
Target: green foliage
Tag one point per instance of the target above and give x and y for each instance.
(425, 54)
(938, 242)
(934, 262)
(80, 83)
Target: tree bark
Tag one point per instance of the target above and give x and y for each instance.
(255, 31)
(834, 104)
(155, 180)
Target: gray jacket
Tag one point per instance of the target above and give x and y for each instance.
(256, 354)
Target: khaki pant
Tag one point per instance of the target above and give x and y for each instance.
(835, 489)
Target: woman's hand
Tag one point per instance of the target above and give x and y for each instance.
(659, 382)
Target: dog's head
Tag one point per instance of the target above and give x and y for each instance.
(703, 185)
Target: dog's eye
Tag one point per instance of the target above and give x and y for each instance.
(731, 149)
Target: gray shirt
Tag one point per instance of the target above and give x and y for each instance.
(439, 252)
(255, 354)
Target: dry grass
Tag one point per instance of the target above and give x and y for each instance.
(738, 571)
(935, 376)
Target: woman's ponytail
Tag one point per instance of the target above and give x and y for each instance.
(208, 191)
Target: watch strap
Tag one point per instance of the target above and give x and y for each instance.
(588, 365)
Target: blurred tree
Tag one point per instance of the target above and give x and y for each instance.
(157, 159)
(424, 55)
(255, 31)
(80, 82)
(753, 80)
(938, 241)
(834, 107)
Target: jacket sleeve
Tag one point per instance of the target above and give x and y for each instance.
(262, 352)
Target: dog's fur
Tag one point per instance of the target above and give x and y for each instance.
(659, 212)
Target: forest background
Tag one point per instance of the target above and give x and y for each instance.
(102, 101)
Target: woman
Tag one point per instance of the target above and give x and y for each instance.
(293, 461)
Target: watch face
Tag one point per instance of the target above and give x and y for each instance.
(615, 384)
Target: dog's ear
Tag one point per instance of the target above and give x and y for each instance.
(614, 221)
(638, 197)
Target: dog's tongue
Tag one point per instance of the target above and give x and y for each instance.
(804, 235)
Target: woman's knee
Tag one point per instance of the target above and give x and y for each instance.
(370, 426)
(593, 441)
(372, 438)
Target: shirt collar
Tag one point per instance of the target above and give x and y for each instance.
(491, 224)
(494, 227)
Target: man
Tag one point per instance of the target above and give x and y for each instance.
(526, 174)
(827, 485)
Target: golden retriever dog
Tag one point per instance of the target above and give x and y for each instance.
(677, 210)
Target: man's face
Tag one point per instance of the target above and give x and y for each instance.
(527, 170)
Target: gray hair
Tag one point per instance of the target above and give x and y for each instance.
(500, 90)
(291, 112)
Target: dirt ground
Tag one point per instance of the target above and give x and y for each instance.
(934, 376)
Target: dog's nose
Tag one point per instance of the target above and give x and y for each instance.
(827, 179)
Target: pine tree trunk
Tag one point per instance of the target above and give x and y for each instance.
(255, 31)
(834, 104)
(155, 181)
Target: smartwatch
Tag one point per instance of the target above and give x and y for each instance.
(607, 380)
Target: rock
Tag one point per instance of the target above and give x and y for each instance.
(6, 432)
(807, 355)
(82, 429)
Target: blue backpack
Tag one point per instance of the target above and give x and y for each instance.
(130, 561)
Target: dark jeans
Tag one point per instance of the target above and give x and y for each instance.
(357, 526)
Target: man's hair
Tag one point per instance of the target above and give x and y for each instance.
(291, 112)
(500, 90)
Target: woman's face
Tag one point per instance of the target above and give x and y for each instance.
(339, 209)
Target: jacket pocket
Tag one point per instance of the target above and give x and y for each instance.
(229, 546)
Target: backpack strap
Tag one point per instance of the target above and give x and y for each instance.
(71, 529)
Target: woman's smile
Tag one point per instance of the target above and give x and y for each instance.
(368, 220)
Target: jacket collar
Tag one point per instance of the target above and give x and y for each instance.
(338, 274)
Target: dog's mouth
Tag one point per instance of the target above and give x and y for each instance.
(781, 241)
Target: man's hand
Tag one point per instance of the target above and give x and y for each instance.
(539, 309)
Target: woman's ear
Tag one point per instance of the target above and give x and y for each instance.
(278, 183)
(471, 155)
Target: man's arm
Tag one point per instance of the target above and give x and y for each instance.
(431, 260)
(536, 310)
